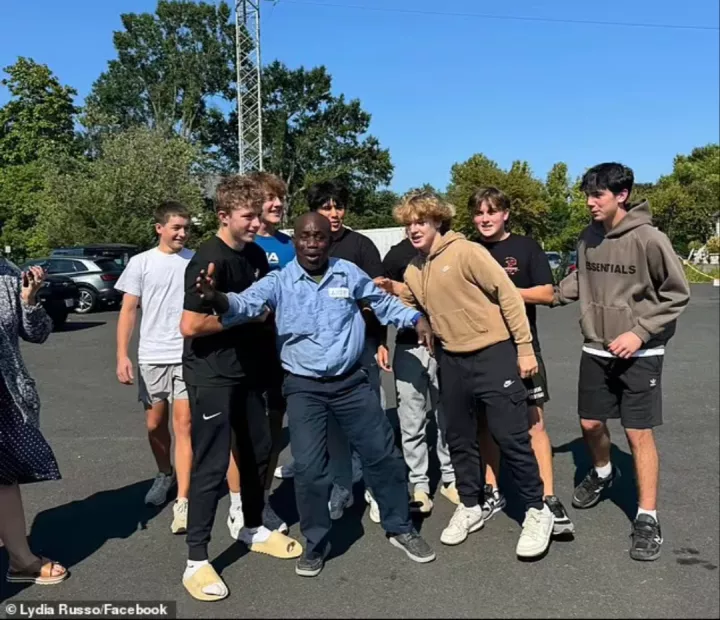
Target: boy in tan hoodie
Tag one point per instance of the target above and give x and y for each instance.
(485, 349)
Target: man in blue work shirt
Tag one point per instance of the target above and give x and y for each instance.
(321, 335)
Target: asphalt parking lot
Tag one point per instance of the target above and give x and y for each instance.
(94, 520)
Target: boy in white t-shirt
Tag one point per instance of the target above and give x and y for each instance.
(155, 280)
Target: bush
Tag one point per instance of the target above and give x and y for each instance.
(713, 245)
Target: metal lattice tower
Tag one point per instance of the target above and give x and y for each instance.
(249, 98)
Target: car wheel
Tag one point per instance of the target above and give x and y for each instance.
(59, 319)
(87, 301)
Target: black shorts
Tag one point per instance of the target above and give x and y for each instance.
(537, 385)
(616, 388)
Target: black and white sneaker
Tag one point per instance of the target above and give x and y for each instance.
(414, 545)
(646, 539)
(562, 523)
(494, 502)
(587, 493)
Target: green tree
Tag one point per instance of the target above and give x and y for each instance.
(372, 209)
(528, 198)
(21, 189)
(310, 135)
(38, 121)
(170, 66)
(559, 194)
(112, 198)
(684, 202)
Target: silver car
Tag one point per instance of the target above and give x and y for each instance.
(95, 279)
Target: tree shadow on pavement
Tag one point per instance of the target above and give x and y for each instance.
(72, 532)
(623, 492)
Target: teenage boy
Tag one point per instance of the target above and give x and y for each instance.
(485, 351)
(527, 266)
(279, 251)
(321, 336)
(416, 384)
(632, 289)
(278, 246)
(155, 280)
(226, 387)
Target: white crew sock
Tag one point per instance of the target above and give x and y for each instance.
(267, 495)
(216, 589)
(193, 566)
(604, 471)
(652, 513)
(251, 535)
(235, 501)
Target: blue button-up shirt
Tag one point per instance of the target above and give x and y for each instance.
(321, 331)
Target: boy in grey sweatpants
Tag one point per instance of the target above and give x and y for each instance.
(416, 381)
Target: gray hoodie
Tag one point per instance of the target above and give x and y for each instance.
(627, 279)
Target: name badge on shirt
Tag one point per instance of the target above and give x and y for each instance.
(339, 293)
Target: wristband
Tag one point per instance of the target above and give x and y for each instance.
(416, 318)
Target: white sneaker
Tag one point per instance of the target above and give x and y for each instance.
(537, 529)
(180, 513)
(374, 508)
(464, 521)
(235, 521)
(284, 472)
(157, 495)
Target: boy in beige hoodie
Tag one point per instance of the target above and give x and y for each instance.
(485, 349)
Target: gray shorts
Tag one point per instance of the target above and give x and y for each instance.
(158, 382)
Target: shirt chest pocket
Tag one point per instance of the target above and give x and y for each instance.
(339, 312)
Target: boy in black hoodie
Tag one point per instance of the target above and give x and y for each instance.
(631, 288)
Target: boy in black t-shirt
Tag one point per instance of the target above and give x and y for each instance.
(527, 266)
(226, 391)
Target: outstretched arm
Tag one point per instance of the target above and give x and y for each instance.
(567, 291)
(390, 311)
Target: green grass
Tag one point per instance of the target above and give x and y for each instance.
(705, 278)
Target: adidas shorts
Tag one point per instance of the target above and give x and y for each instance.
(616, 388)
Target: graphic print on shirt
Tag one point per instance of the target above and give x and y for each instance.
(511, 265)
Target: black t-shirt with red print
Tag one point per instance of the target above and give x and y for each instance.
(527, 265)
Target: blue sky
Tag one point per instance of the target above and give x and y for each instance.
(443, 87)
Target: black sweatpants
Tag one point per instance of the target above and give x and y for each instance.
(488, 380)
(216, 412)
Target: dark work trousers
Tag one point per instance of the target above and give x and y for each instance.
(216, 412)
(488, 380)
(357, 410)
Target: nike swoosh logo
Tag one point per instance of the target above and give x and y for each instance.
(210, 417)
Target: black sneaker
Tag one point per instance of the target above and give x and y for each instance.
(310, 564)
(415, 546)
(646, 539)
(587, 493)
(494, 502)
(562, 523)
